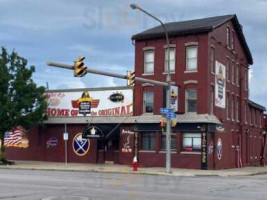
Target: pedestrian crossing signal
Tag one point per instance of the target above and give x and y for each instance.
(79, 68)
(131, 77)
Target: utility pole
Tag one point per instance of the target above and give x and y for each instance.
(168, 89)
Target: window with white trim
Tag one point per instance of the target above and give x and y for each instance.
(237, 75)
(233, 40)
(191, 141)
(236, 109)
(212, 100)
(233, 73)
(227, 107)
(149, 62)
(172, 60)
(228, 70)
(233, 108)
(212, 60)
(228, 37)
(148, 102)
(191, 100)
(191, 58)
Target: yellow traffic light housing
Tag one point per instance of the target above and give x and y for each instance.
(131, 78)
(174, 123)
(79, 68)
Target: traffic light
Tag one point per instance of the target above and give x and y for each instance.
(131, 79)
(79, 67)
(162, 123)
(174, 123)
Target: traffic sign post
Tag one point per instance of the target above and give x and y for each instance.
(65, 138)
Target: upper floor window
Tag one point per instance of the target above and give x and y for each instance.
(237, 75)
(233, 40)
(172, 60)
(191, 101)
(148, 141)
(237, 109)
(245, 112)
(233, 73)
(228, 107)
(246, 79)
(192, 141)
(191, 58)
(212, 100)
(233, 108)
(148, 102)
(212, 60)
(149, 62)
(228, 37)
(228, 69)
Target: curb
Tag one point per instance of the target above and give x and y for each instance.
(14, 167)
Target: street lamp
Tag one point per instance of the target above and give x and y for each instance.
(168, 91)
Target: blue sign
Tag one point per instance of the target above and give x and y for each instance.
(165, 110)
(80, 145)
(171, 115)
(52, 142)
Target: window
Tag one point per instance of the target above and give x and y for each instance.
(172, 60)
(228, 69)
(228, 37)
(191, 58)
(232, 109)
(233, 40)
(212, 60)
(245, 114)
(148, 102)
(191, 101)
(149, 62)
(192, 141)
(237, 75)
(211, 100)
(227, 107)
(236, 109)
(246, 79)
(173, 142)
(233, 73)
(148, 141)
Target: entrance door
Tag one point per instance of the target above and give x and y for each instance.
(111, 146)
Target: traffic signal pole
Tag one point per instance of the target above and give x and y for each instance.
(104, 73)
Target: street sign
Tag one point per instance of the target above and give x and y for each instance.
(65, 136)
(165, 110)
(170, 115)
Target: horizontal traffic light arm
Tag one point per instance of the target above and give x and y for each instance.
(104, 73)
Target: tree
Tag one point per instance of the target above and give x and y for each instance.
(22, 103)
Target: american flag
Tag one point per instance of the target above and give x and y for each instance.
(13, 138)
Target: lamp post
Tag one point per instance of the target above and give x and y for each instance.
(168, 90)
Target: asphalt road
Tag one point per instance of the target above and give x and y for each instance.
(55, 185)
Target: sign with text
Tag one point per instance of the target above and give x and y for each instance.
(220, 85)
(97, 103)
(174, 98)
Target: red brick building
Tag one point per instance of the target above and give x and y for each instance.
(218, 126)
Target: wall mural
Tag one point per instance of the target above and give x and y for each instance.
(80, 145)
(16, 138)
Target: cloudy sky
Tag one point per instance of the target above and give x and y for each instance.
(60, 30)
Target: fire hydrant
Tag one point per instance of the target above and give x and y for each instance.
(135, 164)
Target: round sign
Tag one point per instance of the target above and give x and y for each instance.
(80, 145)
(219, 149)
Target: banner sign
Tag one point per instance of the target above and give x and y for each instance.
(90, 103)
(174, 98)
(220, 85)
(204, 160)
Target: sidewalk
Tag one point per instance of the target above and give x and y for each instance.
(114, 168)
